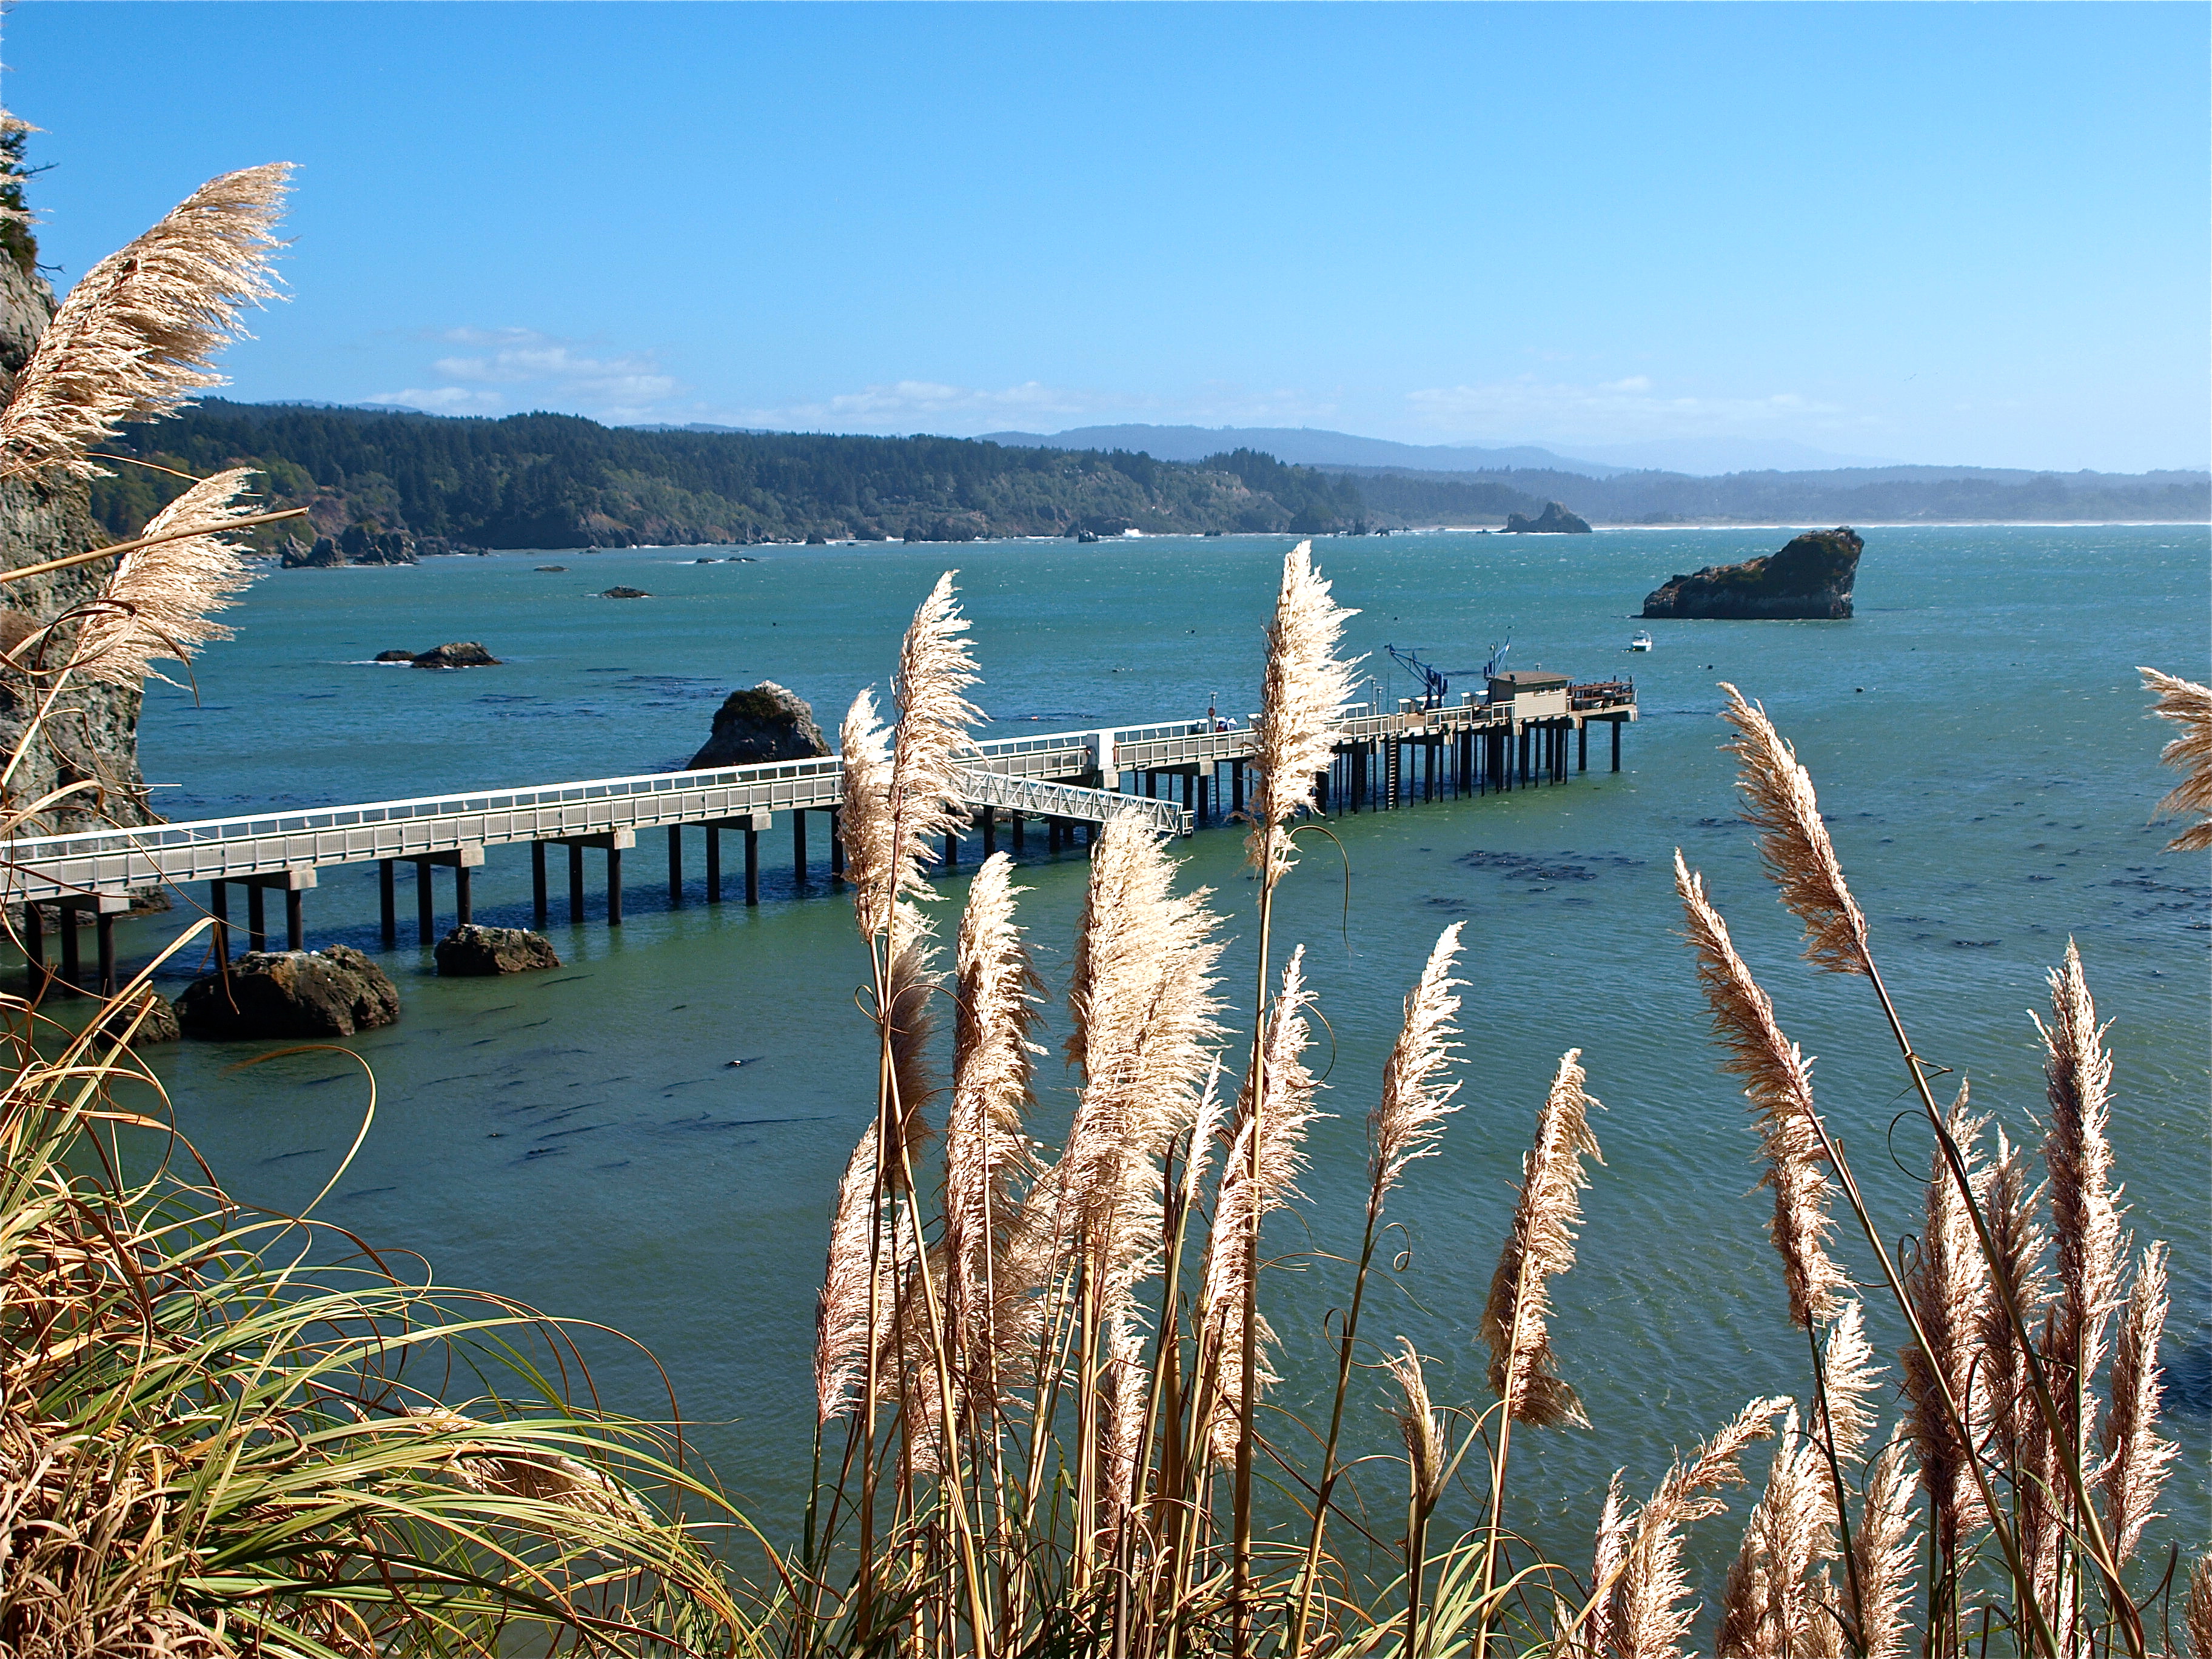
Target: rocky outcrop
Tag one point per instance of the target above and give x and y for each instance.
(548, 569)
(358, 544)
(159, 1025)
(1554, 520)
(766, 723)
(471, 950)
(456, 654)
(91, 735)
(333, 992)
(625, 593)
(1809, 580)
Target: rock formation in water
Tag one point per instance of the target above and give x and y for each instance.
(455, 654)
(766, 723)
(1554, 520)
(1809, 579)
(471, 950)
(92, 734)
(333, 992)
(620, 593)
(159, 1024)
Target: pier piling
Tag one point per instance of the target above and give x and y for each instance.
(576, 885)
(537, 885)
(387, 900)
(1616, 745)
(714, 864)
(675, 866)
(799, 846)
(752, 867)
(34, 949)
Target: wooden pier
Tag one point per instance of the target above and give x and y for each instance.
(1533, 729)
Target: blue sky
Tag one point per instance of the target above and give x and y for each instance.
(1935, 233)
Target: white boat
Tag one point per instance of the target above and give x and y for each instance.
(1640, 641)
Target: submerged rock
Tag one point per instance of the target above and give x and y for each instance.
(625, 593)
(470, 948)
(766, 723)
(459, 654)
(1809, 579)
(1554, 520)
(548, 569)
(333, 992)
(395, 656)
(160, 1025)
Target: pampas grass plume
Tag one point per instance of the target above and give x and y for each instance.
(2136, 1455)
(157, 602)
(2084, 1211)
(1780, 1085)
(1540, 1244)
(842, 1313)
(2189, 706)
(1303, 690)
(1419, 1424)
(1779, 798)
(134, 338)
(1409, 1116)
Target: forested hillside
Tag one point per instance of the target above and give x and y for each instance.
(557, 481)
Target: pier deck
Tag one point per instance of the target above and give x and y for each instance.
(1062, 778)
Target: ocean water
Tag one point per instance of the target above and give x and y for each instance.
(578, 1140)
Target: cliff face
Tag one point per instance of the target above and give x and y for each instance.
(1809, 579)
(93, 735)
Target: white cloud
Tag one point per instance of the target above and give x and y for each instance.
(516, 368)
(909, 405)
(1612, 411)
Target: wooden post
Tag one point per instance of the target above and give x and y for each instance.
(951, 850)
(1616, 744)
(990, 831)
(219, 908)
(295, 919)
(799, 846)
(714, 865)
(1522, 769)
(538, 883)
(103, 927)
(576, 885)
(1320, 790)
(66, 919)
(1237, 785)
(675, 866)
(1581, 747)
(257, 923)
(1051, 834)
(836, 844)
(752, 867)
(614, 886)
(388, 909)
(424, 921)
(464, 911)
(1016, 817)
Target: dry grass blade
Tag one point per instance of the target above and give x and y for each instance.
(1540, 1244)
(158, 601)
(1305, 688)
(1779, 798)
(2085, 1213)
(2189, 706)
(1948, 1282)
(2136, 1455)
(1780, 1085)
(1409, 1116)
(1650, 1620)
(134, 338)
(850, 1286)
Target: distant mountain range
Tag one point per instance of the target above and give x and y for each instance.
(1303, 445)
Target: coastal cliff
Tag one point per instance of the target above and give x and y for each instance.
(92, 735)
(1809, 579)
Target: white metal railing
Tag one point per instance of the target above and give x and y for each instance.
(116, 860)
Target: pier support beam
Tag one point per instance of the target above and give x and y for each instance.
(460, 860)
(799, 846)
(714, 864)
(675, 866)
(752, 867)
(292, 883)
(611, 842)
(537, 886)
(103, 908)
(387, 903)
(1581, 747)
(990, 830)
(837, 844)
(1016, 828)
(1237, 785)
(1616, 744)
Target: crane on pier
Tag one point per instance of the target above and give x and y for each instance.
(1435, 681)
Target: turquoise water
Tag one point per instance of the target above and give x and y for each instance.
(576, 1138)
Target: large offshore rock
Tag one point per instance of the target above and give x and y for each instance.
(456, 654)
(766, 723)
(333, 992)
(471, 950)
(159, 1025)
(1809, 579)
(1554, 520)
